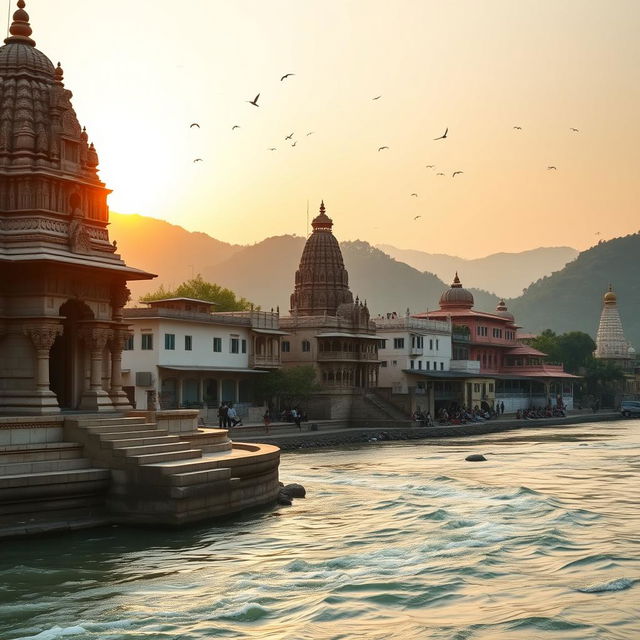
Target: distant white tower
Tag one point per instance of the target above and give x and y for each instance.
(610, 341)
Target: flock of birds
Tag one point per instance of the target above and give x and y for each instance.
(293, 142)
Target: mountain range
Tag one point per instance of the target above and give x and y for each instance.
(568, 299)
(506, 274)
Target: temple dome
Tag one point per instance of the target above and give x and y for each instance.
(610, 297)
(24, 59)
(456, 296)
(322, 282)
(501, 310)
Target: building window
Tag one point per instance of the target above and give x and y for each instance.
(476, 387)
(128, 343)
(491, 387)
(430, 345)
(286, 346)
(170, 341)
(442, 366)
(395, 363)
(428, 366)
(437, 344)
(382, 344)
(147, 341)
(306, 346)
(235, 345)
(419, 364)
(411, 364)
(383, 363)
(398, 343)
(217, 345)
(243, 345)
(188, 343)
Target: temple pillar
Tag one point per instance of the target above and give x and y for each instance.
(42, 335)
(118, 397)
(96, 336)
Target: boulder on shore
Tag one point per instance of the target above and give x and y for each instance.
(476, 457)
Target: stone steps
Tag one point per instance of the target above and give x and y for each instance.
(38, 452)
(149, 448)
(99, 429)
(44, 466)
(53, 484)
(97, 422)
(134, 435)
(168, 456)
(139, 441)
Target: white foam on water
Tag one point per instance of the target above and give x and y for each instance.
(619, 584)
(56, 632)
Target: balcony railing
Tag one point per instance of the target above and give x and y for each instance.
(264, 361)
(346, 355)
(416, 351)
(546, 367)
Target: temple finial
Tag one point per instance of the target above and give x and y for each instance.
(322, 209)
(20, 29)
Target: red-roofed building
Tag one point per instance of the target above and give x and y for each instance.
(504, 370)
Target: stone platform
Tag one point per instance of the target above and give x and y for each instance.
(66, 472)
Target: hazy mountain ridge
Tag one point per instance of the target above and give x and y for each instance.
(569, 299)
(506, 274)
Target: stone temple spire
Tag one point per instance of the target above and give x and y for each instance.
(610, 341)
(322, 282)
(20, 29)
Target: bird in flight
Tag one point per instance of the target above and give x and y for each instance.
(431, 166)
(381, 148)
(444, 135)
(416, 217)
(195, 124)
(574, 129)
(455, 173)
(235, 126)
(286, 75)
(310, 133)
(295, 142)
(516, 127)
(415, 195)
(439, 174)
(198, 160)
(254, 102)
(377, 98)
(552, 167)
(289, 136)
(271, 149)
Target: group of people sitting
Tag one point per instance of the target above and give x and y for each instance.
(535, 413)
(463, 415)
(424, 418)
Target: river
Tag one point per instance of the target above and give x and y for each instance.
(394, 541)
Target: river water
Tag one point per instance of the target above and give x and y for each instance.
(394, 540)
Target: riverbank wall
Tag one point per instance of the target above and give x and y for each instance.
(332, 433)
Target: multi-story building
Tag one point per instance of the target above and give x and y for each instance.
(489, 365)
(181, 354)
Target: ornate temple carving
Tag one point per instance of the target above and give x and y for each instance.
(321, 282)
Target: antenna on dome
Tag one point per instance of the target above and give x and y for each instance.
(8, 18)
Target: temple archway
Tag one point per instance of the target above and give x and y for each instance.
(68, 357)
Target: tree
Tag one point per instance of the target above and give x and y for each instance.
(547, 342)
(576, 350)
(199, 289)
(291, 386)
(603, 380)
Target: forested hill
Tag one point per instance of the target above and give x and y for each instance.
(571, 299)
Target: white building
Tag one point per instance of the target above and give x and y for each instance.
(181, 355)
(408, 345)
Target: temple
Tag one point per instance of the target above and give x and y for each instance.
(611, 343)
(328, 329)
(62, 283)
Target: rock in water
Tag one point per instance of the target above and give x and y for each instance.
(284, 498)
(294, 490)
(476, 457)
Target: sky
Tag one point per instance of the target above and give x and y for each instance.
(142, 72)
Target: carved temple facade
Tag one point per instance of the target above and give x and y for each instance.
(62, 284)
(328, 329)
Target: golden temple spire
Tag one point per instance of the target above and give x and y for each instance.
(20, 29)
